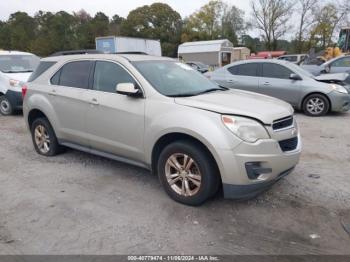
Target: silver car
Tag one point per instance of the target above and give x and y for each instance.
(339, 64)
(286, 81)
(162, 115)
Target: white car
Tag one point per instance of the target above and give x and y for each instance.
(15, 69)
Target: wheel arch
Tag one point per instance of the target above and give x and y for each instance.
(35, 114)
(169, 138)
(316, 93)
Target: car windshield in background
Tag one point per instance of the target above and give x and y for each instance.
(175, 79)
(18, 63)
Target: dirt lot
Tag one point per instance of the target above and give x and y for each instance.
(82, 204)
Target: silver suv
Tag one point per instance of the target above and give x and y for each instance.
(160, 114)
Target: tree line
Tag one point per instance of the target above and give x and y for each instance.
(308, 23)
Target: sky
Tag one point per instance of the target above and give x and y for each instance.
(109, 7)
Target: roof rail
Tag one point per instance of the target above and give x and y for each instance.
(77, 52)
(131, 53)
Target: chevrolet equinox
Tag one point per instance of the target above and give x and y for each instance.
(160, 114)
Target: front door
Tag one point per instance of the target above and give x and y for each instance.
(275, 81)
(115, 122)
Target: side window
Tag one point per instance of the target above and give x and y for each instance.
(250, 69)
(275, 71)
(342, 62)
(108, 75)
(73, 74)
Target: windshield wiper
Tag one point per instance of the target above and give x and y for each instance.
(219, 88)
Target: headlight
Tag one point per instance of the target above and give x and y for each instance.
(339, 88)
(246, 129)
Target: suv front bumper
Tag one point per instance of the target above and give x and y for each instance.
(270, 164)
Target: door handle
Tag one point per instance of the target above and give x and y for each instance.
(266, 83)
(53, 92)
(231, 81)
(94, 102)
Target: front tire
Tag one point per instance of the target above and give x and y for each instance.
(6, 107)
(316, 105)
(44, 138)
(187, 173)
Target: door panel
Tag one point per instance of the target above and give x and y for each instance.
(115, 122)
(275, 82)
(243, 76)
(67, 93)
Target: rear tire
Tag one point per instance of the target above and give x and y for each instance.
(316, 105)
(6, 107)
(44, 138)
(188, 173)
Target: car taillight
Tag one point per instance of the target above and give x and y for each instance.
(24, 91)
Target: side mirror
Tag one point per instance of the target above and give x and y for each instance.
(295, 77)
(128, 89)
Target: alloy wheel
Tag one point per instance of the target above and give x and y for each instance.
(42, 139)
(315, 106)
(183, 175)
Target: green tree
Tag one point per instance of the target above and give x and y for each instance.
(214, 20)
(21, 27)
(156, 21)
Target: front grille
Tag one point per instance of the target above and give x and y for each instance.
(282, 123)
(289, 144)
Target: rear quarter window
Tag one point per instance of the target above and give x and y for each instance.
(42, 68)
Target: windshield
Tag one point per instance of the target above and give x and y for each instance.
(18, 63)
(175, 79)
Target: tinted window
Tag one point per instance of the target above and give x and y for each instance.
(275, 71)
(343, 62)
(244, 70)
(43, 67)
(108, 75)
(74, 74)
(289, 58)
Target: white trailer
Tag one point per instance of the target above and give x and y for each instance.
(119, 44)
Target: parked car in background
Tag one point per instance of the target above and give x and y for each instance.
(339, 64)
(199, 66)
(295, 59)
(286, 81)
(160, 114)
(15, 68)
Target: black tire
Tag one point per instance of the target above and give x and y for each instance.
(203, 162)
(315, 112)
(54, 147)
(6, 107)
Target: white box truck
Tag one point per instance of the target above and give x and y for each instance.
(119, 44)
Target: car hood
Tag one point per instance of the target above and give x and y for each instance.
(341, 77)
(243, 103)
(23, 77)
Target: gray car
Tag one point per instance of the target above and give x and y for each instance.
(339, 64)
(286, 81)
(162, 115)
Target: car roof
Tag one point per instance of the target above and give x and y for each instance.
(250, 61)
(6, 52)
(130, 57)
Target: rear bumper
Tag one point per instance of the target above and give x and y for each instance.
(241, 192)
(15, 99)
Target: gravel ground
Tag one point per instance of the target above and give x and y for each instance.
(77, 203)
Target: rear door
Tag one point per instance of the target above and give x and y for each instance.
(67, 93)
(243, 76)
(115, 122)
(275, 81)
